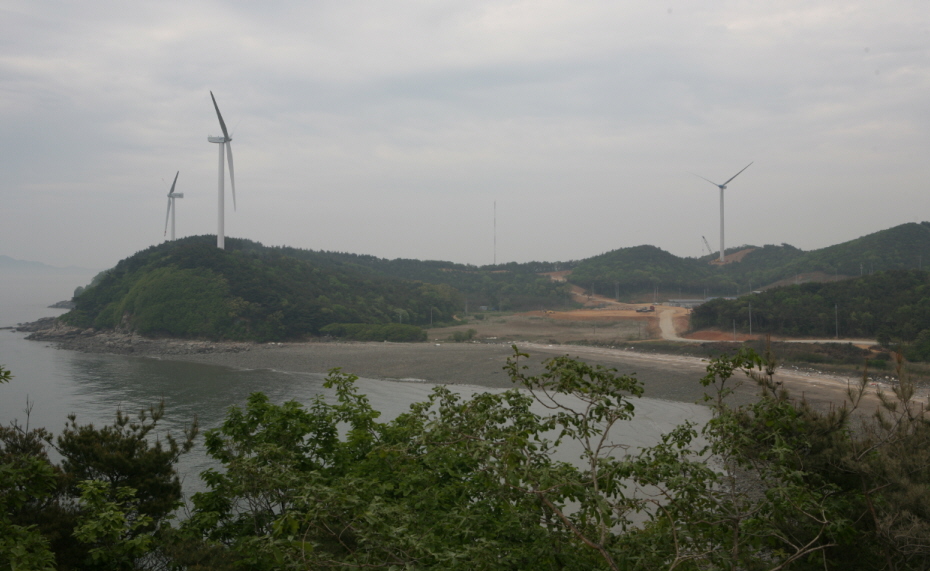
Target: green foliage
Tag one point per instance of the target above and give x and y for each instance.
(112, 524)
(122, 456)
(395, 332)
(26, 478)
(474, 483)
(100, 508)
(178, 302)
(515, 286)
(189, 288)
(462, 336)
(894, 305)
(641, 268)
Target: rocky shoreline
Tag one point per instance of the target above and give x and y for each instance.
(121, 342)
(672, 377)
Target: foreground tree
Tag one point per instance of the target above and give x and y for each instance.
(474, 483)
(102, 507)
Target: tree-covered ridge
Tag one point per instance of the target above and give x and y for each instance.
(190, 288)
(640, 268)
(643, 268)
(510, 286)
(892, 305)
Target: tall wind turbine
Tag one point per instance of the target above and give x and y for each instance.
(224, 142)
(171, 196)
(723, 187)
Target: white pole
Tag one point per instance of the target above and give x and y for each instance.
(721, 225)
(220, 233)
(172, 220)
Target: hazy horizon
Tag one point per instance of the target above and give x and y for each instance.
(392, 130)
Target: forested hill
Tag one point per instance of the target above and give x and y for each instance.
(892, 306)
(190, 288)
(510, 286)
(643, 268)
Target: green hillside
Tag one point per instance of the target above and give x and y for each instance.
(891, 306)
(189, 288)
(642, 268)
(508, 286)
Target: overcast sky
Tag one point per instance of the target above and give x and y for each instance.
(391, 128)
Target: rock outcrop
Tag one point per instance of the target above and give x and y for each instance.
(123, 343)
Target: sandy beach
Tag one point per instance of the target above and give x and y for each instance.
(481, 364)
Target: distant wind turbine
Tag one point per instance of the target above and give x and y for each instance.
(224, 142)
(723, 187)
(171, 196)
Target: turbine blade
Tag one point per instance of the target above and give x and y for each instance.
(707, 179)
(167, 215)
(737, 174)
(220, 117)
(232, 175)
(170, 192)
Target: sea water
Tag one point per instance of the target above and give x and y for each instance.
(51, 383)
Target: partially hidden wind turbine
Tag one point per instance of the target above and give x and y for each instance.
(723, 187)
(224, 142)
(171, 196)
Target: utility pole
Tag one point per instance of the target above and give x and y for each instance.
(734, 330)
(836, 315)
(750, 319)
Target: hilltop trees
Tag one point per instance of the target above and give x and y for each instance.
(188, 288)
(892, 306)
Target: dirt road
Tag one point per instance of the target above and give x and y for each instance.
(670, 319)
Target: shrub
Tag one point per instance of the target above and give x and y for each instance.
(373, 332)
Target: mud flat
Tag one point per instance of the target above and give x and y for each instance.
(670, 377)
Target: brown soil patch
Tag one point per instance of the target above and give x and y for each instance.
(708, 335)
(603, 326)
(561, 276)
(594, 315)
(734, 257)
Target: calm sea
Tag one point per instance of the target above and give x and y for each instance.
(53, 383)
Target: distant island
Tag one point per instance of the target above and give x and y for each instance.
(9, 264)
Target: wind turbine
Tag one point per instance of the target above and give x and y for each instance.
(171, 196)
(723, 187)
(224, 142)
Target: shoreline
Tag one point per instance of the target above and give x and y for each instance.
(670, 377)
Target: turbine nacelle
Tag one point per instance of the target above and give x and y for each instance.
(226, 143)
(176, 195)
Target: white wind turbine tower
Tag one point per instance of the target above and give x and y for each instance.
(224, 142)
(723, 187)
(171, 196)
